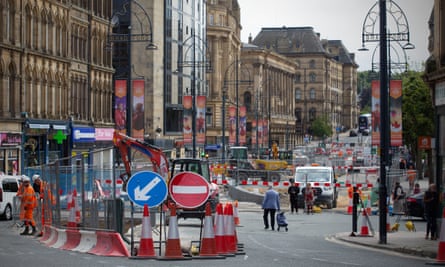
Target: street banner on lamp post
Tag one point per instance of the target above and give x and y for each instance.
(187, 119)
(120, 108)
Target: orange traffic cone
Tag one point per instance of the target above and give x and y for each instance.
(146, 248)
(72, 216)
(235, 213)
(229, 229)
(173, 244)
(350, 195)
(208, 243)
(364, 229)
(76, 206)
(368, 205)
(440, 258)
(221, 247)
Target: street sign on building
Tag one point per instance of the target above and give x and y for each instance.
(147, 187)
(189, 190)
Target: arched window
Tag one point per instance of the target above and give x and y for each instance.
(312, 94)
(312, 114)
(312, 77)
(248, 101)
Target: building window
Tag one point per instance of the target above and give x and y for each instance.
(209, 117)
(298, 94)
(298, 114)
(312, 77)
(248, 101)
(312, 94)
(312, 114)
(297, 78)
(312, 64)
(211, 19)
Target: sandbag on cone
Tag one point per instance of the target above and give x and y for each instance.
(207, 247)
(173, 244)
(146, 248)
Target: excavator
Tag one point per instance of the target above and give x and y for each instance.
(160, 163)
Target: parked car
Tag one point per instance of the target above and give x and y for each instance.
(9, 185)
(415, 206)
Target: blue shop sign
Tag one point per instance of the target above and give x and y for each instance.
(83, 134)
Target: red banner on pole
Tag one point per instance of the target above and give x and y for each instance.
(120, 108)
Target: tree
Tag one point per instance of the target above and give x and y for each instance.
(417, 113)
(321, 127)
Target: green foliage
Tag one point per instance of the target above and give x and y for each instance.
(321, 127)
(417, 110)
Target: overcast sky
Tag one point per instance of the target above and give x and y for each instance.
(337, 20)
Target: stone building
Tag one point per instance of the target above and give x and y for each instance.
(435, 77)
(55, 76)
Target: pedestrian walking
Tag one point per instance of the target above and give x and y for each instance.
(28, 202)
(398, 198)
(309, 197)
(293, 191)
(416, 189)
(431, 201)
(271, 204)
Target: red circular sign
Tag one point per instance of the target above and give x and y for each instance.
(189, 190)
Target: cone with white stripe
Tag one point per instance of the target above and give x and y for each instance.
(208, 243)
(221, 247)
(72, 216)
(235, 213)
(173, 249)
(146, 248)
(229, 229)
(364, 231)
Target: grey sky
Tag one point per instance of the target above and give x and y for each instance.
(337, 20)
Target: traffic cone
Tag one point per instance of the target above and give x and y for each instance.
(221, 247)
(440, 258)
(229, 229)
(235, 213)
(173, 244)
(368, 205)
(76, 206)
(72, 216)
(364, 231)
(146, 248)
(208, 243)
(350, 206)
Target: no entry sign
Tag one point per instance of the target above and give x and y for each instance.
(189, 190)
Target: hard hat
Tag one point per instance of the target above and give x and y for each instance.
(25, 178)
(35, 177)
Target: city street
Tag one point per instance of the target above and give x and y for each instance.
(309, 242)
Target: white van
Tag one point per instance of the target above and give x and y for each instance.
(9, 184)
(322, 180)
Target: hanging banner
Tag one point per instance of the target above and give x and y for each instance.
(395, 110)
(242, 125)
(375, 112)
(395, 118)
(232, 125)
(265, 133)
(138, 117)
(187, 119)
(200, 119)
(254, 132)
(120, 108)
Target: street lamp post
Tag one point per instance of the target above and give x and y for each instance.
(237, 82)
(123, 31)
(384, 38)
(194, 64)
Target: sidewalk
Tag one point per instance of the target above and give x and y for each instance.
(412, 243)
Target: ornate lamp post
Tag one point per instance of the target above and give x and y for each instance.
(384, 37)
(123, 33)
(233, 70)
(194, 64)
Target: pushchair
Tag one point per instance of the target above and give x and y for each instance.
(281, 221)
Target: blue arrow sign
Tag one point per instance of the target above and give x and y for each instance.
(147, 187)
